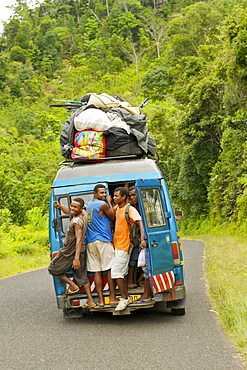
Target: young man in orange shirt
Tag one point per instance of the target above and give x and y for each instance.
(122, 244)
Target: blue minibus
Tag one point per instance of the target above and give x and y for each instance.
(164, 254)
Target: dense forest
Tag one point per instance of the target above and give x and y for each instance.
(188, 57)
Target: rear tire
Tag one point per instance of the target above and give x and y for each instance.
(179, 311)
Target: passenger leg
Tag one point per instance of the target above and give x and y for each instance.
(73, 288)
(119, 272)
(131, 277)
(90, 301)
(125, 300)
(132, 268)
(58, 268)
(122, 287)
(112, 288)
(146, 294)
(99, 288)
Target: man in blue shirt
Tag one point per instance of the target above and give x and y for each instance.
(99, 241)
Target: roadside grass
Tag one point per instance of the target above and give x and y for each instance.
(13, 265)
(23, 248)
(226, 277)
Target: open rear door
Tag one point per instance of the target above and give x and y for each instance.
(59, 221)
(157, 227)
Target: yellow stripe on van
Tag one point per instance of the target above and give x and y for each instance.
(178, 233)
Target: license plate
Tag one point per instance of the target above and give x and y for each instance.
(133, 296)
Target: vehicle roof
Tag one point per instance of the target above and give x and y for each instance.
(112, 170)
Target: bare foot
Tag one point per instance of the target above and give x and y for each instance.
(91, 304)
(132, 286)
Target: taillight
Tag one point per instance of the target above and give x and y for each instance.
(75, 303)
(175, 253)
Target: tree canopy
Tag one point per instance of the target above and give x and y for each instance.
(188, 57)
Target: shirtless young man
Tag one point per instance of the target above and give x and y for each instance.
(73, 252)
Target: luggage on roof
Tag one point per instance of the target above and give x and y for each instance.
(123, 126)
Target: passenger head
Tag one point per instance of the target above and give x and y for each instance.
(79, 200)
(76, 206)
(133, 195)
(120, 195)
(100, 192)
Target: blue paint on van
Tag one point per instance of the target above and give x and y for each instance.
(165, 256)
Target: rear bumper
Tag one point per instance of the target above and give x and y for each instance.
(178, 293)
(174, 294)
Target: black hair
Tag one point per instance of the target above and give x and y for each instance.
(79, 200)
(132, 188)
(98, 186)
(123, 191)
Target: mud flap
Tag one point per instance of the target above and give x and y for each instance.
(72, 313)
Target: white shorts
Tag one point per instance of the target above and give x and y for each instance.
(99, 256)
(120, 265)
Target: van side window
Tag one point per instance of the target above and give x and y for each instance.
(64, 219)
(153, 207)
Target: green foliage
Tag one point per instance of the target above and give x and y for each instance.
(30, 239)
(156, 82)
(18, 54)
(238, 39)
(125, 25)
(228, 174)
(197, 25)
(188, 57)
(241, 201)
(27, 170)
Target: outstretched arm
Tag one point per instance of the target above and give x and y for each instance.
(143, 243)
(108, 210)
(59, 206)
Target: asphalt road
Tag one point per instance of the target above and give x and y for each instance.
(34, 334)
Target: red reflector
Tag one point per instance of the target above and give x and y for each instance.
(175, 251)
(76, 303)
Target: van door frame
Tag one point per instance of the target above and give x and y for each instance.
(159, 237)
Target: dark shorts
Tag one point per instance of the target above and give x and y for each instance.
(61, 264)
(134, 256)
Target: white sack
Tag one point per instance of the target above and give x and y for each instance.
(92, 118)
(98, 120)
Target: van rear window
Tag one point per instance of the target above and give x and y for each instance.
(153, 207)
